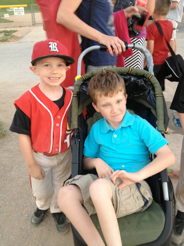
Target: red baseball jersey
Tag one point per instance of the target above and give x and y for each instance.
(48, 123)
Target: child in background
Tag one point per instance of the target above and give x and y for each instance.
(156, 43)
(41, 122)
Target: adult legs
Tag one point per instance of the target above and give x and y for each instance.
(158, 72)
(101, 195)
(178, 235)
(70, 202)
(180, 185)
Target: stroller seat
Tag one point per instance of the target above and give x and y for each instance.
(139, 228)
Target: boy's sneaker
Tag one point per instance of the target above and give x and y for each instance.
(178, 234)
(61, 222)
(38, 216)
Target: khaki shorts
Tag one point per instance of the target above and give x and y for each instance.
(131, 199)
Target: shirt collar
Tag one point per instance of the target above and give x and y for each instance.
(128, 120)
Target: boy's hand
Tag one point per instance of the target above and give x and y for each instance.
(127, 178)
(102, 168)
(36, 172)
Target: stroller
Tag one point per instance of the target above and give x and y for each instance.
(145, 98)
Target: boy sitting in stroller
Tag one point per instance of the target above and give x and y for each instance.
(118, 148)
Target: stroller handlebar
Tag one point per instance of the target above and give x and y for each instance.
(143, 49)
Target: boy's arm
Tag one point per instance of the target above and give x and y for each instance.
(34, 169)
(150, 47)
(102, 168)
(164, 158)
(174, 4)
(150, 6)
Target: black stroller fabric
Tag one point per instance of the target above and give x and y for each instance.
(141, 97)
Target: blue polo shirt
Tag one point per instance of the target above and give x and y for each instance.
(125, 148)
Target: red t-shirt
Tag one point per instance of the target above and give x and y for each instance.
(161, 50)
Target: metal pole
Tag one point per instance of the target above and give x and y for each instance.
(32, 15)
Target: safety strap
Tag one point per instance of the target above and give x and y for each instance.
(160, 30)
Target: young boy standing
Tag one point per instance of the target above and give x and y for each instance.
(156, 43)
(41, 122)
(118, 148)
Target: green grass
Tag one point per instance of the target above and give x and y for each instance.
(15, 2)
(26, 10)
(4, 20)
(2, 130)
(6, 35)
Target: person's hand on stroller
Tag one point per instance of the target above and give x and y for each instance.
(67, 17)
(126, 178)
(113, 44)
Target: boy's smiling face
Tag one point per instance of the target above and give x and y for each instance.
(51, 70)
(113, 108)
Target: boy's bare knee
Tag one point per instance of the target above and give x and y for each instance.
(98, 187)
(65, 195)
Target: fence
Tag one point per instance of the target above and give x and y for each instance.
(7, 14)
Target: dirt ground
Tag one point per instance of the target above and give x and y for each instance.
(23, 24)
(16, 200)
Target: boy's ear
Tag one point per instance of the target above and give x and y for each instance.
(126, 96)
(33, 69)
(68, 68)
(95, 107)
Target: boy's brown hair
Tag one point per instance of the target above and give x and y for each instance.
(105, 83)
(162, 7)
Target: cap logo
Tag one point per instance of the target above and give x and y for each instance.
(53, 46)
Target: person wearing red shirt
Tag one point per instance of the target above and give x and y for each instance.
(156, 43)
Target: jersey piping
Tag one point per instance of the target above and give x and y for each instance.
(62, 122)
